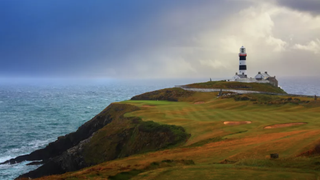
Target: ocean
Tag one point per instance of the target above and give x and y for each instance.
(34, 112)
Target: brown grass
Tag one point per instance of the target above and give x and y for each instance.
(200, 102)
(215, 152)
(147, 106)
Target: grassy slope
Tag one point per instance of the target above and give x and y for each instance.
(124, 138)
(238, 86)
(248, 145)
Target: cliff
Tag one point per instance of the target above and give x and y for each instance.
(107, 136)
(234, 133)
(85, 131)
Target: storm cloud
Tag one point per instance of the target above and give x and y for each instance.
(156, 38)
(309, 6)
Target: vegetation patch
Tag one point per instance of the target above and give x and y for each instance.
(127, 136)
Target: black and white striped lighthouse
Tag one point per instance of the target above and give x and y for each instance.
(242, 61)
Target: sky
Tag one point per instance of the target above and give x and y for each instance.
(158, 39)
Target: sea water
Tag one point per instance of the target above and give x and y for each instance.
(36, 112)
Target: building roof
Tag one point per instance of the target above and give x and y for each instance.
(259, 76)
(265, 75)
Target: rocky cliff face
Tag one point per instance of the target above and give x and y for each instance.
(107, 136)
(70, 140)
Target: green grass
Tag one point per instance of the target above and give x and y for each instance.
(205, 121)
(150, 102)
(106, 144)
(293, 162)
(125, 175)
(226, 172)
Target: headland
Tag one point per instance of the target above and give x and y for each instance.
(180, 134)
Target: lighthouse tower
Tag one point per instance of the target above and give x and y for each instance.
(242, 61)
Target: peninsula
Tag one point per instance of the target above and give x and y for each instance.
(180, 134)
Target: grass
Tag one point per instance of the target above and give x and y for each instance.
(126, 136)
(225, 172)
(296, 162)
(125, 175)
(247, 145)
(204, 121)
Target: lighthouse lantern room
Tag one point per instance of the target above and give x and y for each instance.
(242, 61)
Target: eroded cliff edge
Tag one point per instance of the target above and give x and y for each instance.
(85, 131)
(107, 136)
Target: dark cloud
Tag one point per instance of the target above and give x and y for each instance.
(79, 37)
(61, 35)
(310, 6)
(126, 38)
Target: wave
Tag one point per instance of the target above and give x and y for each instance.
(5, 158)
(10, 171)
(31, 146)
(36, 144)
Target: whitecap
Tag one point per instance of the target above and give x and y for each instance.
(28, 148)
(39, 143)
(4, 158)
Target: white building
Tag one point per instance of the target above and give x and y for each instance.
(259, 78)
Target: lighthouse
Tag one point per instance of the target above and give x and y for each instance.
(242, 61)
(242, 76)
